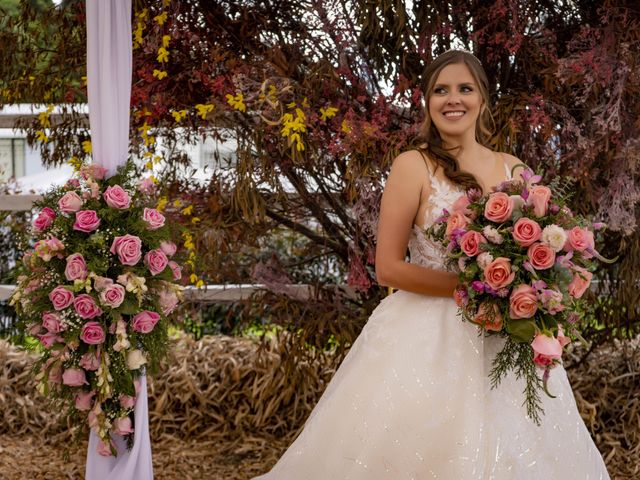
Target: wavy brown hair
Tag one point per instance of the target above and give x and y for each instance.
(428, 140)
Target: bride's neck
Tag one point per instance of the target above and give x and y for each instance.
(466, 150)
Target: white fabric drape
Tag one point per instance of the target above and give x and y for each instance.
(109, 65)
(109, 69)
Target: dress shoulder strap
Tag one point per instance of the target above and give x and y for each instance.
(507, 170)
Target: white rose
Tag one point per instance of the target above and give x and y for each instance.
(492, 235)
(554, 236)
(135, 359)
(484, 259)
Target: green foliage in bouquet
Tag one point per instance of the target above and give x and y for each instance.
(97, 289)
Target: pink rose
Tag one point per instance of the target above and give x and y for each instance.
(489, 317)
(579, 239)
(176, 270)
(122, 426)
(541, 256)
(92, 333)
(44, 220)
(116, 197)
(86, 221)
(581, 281)
(113, 295)
(470, 243)
(526, 231)
(499, 207)
(156, 260)
(106, 450)
(539, 197)
(72, 183)
(561, 338)
(168, 301)
(546, 350)
(61, 298)
(523, 302)
(144, 321)
(456, 220)
(94, 171)
(147, 186)
(90, 360)
(169, 248)
(76, 267)
(83, 400)
(49, 339)
(86, 306)
(498, 273)
(128, 248)
(127, 401)
(70, 202)
(74, 377)
(51, 321)
(153, 218)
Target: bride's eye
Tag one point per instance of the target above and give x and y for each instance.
(466, 88)
(439, 90)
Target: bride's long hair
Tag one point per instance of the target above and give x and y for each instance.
(428, 139)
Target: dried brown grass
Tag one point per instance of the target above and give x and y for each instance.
(226, 408)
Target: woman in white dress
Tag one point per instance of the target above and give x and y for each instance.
(412, 398)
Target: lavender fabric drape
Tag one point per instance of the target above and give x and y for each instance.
(109, 69)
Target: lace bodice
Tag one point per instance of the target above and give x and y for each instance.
(423, 250)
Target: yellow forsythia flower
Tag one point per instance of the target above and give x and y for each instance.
(163, 55)
(179, 115)
(327, 113)
(148, 165)
(165, 3)
(160, 19)
(199, 284)
(193, 278)
(143, 14)
(187, 210)
(195, 220)
(237, 102)
(203, 109)
(165, 40)
(305, 102)
(42, 137)
(291, 105)
(86, 146)
(345, 127)
(162, 203)
(159, 74)
(177, 203)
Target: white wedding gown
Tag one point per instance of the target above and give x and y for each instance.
(412, 401)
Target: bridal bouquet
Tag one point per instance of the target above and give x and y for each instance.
(524, 262)
(97, 289)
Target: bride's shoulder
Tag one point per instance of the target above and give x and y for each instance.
(513, 162)
(415, 161)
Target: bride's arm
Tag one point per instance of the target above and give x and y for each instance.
(400, 202)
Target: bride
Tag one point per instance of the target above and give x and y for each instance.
(412, 398)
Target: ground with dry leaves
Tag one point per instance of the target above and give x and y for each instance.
(226, 409)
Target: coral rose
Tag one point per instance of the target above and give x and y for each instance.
(579, 239)
(541, 256)
(499, 207)
(539, 197)
(456, 221)
(498, 273)
(526, 231)
(523, 302)
(470, 243)
(581, 281)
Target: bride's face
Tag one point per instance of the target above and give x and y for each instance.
(455, 101)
